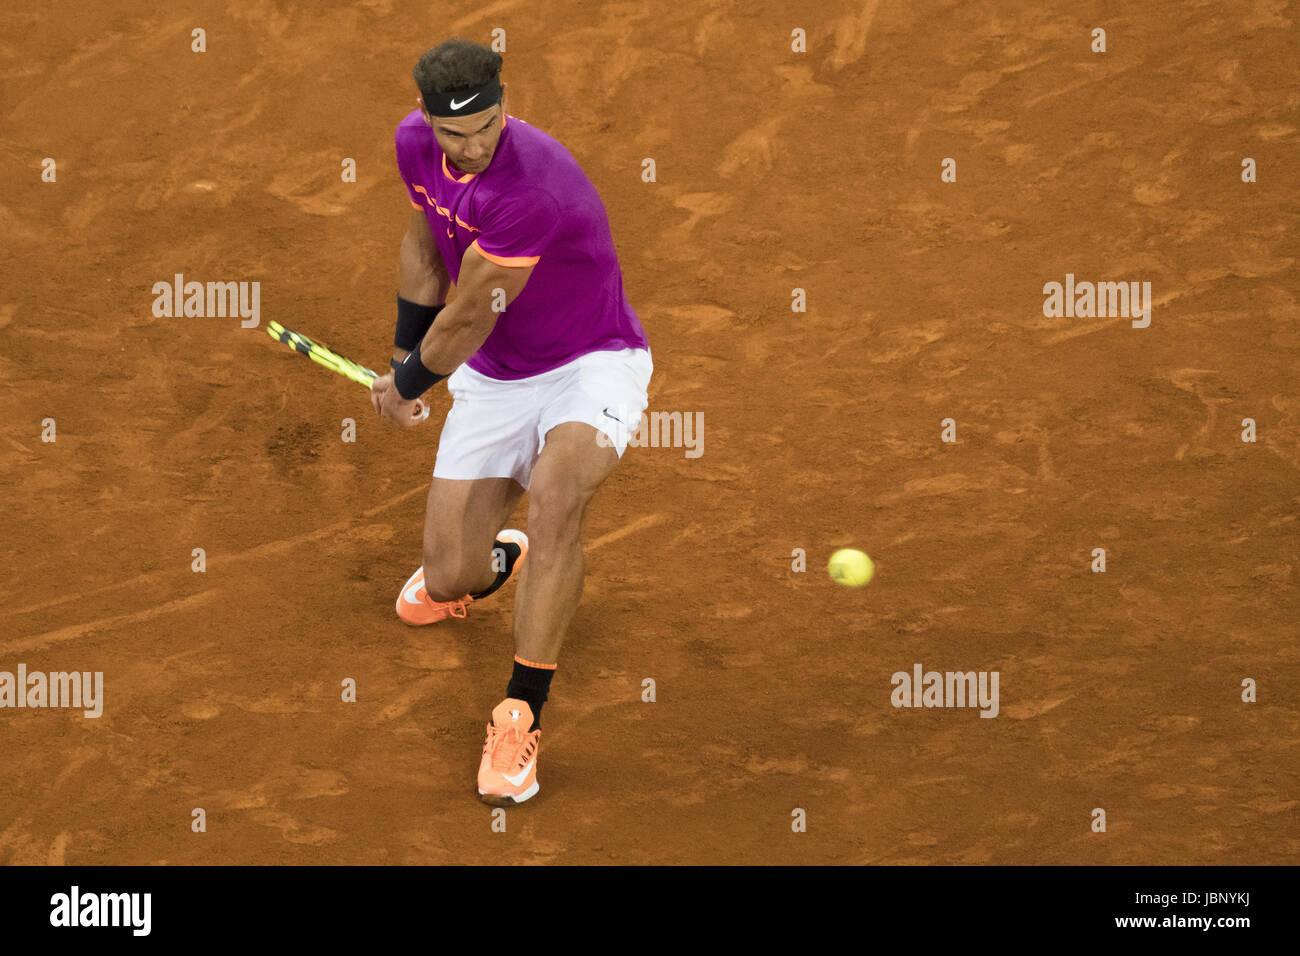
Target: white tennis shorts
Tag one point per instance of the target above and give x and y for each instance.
(497, 428)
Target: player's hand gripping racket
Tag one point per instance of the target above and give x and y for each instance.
(330, 359)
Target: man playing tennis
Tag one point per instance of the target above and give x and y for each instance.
(545, 361)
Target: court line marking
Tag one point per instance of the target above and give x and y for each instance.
(259, 551)
(627, 529)
(1074, 333)
(74, 631)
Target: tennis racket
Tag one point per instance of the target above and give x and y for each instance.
(327, 357)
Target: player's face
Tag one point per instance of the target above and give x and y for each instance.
(469, 141)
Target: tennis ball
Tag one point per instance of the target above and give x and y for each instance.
(852, 567)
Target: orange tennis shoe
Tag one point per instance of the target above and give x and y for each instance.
(414, 606)
(507, 774)
(519, 538)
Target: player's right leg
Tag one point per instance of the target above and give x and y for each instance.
(462, 520)
(485, 451)
(460, 527)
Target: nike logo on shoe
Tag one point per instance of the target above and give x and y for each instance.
(456, 106)
(412, 594)
(523, 774)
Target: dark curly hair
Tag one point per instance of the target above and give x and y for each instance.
(455, 65)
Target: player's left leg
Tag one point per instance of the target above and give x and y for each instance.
(571, 467)
(583, 441)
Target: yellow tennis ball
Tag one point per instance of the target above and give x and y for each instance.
(852, 567)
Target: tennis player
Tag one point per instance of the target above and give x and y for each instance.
(545, 360)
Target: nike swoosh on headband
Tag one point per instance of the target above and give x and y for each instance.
(456, 106)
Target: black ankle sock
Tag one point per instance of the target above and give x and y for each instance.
(531, 685)
(512, 552)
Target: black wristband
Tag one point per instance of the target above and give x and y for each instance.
(412, 379)
(413, 320)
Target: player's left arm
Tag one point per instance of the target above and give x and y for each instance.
(515, 232)
(483, 290)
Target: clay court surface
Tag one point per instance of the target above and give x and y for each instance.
(776, 170)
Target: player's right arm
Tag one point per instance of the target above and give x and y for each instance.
(422, 276)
